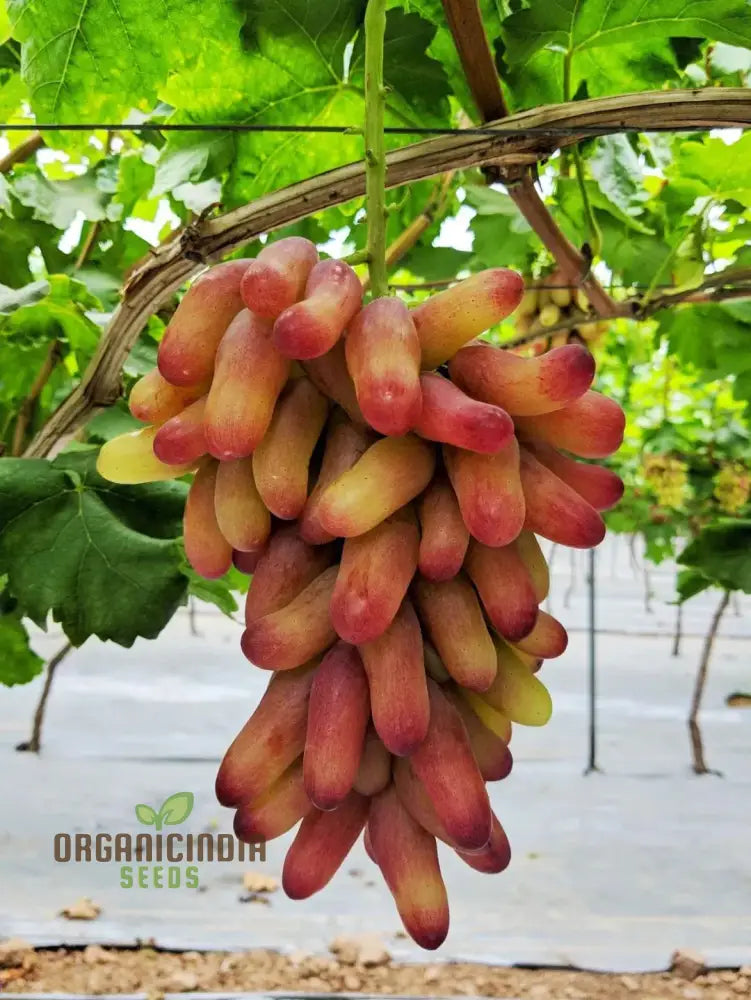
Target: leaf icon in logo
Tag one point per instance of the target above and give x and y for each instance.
(145, 815)
(176, 808)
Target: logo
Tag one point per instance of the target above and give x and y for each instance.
(157, 860)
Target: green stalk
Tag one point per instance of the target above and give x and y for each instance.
(595, 236)
(375, 153)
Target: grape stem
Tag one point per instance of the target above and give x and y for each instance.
(375, 153)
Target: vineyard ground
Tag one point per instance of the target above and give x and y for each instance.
(613, 871)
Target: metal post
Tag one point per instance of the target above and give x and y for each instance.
(592, 758)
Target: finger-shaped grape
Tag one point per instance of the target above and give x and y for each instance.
(446, 766)
(495, 857)
(250, 374)
(529, 549)
(452, 616)
(491, 751)
(329, 374)
(555, 510)
(285, 568)
(276, 278)
(599, 486)
(591, 427)
(444, 536)
(408, 859)
(207, 550)
(375, 571)
(181, 440)
(434, 664)
(294, 634)
(547, 639)
(448, 320)
(396, 678)
(451, 416)
(338, 716)
(505, 588)
(490, 717)
(524, 386)
(383, 357)
(189, 345)
(246, 562)
(390, 474)
(130, 459)
(345, 443)
(281, 460)
(517, 693)
(276, 810)
(153, 399)
(415, 799)
(374, 772)
(270, 741)
(320, 846)
(308, 329)
(240, 512)
(489, 491)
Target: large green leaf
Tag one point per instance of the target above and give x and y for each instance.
(19, 664)
(722, 553)
(617, 169)
(102, 559)
(712, 339)
(574, 25)
(59, 202)
(723, 169)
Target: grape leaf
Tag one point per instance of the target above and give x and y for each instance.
(723, 169)
(15, 298)
(87, 551)
(19, 664)
(617, 169)
(583, 24)
(709, 337)
(59, 202)
(721, 552)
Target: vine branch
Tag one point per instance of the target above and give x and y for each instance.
(375, 152)
(208, 240)
(23, 151)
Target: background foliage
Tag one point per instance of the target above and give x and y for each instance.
(80, 209)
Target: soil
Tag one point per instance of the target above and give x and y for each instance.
(96, 970)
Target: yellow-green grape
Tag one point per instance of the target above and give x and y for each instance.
(732, 486)
(581, 300)
(528, 304)
(549, 315)
(516, 692)
(490, 717)
(668, 478)
(560, 297)
(129, 458)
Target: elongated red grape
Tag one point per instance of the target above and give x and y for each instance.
(396, 677)
(276, 278)
(556, 511)
(505, 588)
(240, 512)
(446, 766)
(181, 440)
(415, 799)
(284, 569)
(524, 386)
(452, 616)
(591, 427)
(451, 416)
(308, 329)
(250, 374)
(448, 320)
(295, 633)
(390, 474)
(529, 549)
(246, 562)
(129, 458)
(375, 571)
(491, 750)
(281, 460)
(408, 859)
(495, 857)
(345, 443)
(276, 810)
(153, 399)
(489, 491)
(444, 536)
(374, 772)
(383, 357)
(547, 639)
(320, 846)
(338, 717)
(270, 741)
(207, 550)
(190, 342)
(599, 486)
(329, 374)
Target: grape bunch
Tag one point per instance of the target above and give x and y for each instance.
(384, 477)
(545, 304)
(732, 487)
(667, 476)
